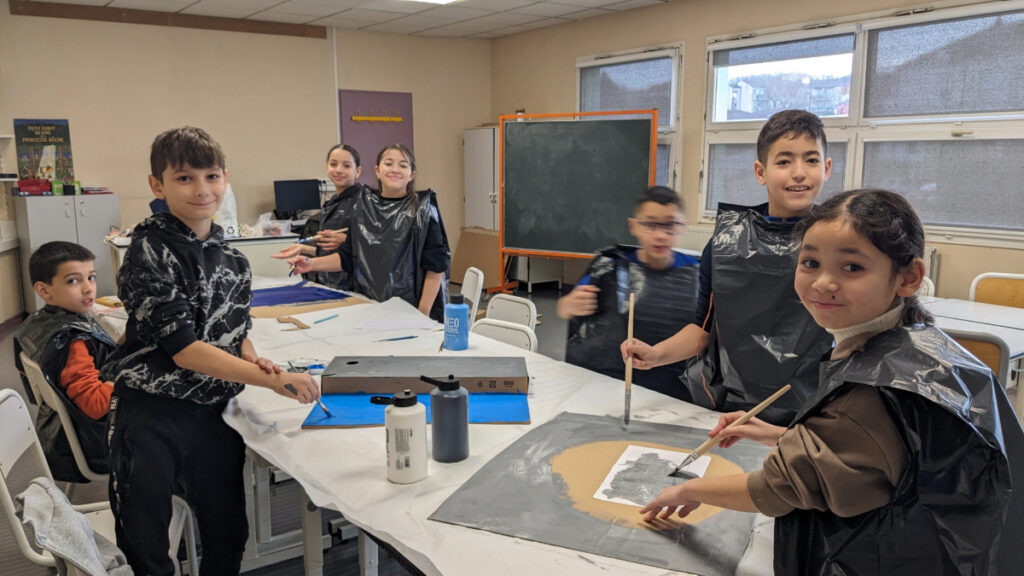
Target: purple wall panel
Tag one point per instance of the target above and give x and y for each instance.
(369, 137)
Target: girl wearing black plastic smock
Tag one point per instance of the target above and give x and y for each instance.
(901, 461)
(397, 245)
(343, 168)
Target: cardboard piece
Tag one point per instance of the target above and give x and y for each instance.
(541, 488)
(390, 374)
(292, 309)
(478, 247)
(356, 410)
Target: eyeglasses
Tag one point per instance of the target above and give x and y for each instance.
(670, 227)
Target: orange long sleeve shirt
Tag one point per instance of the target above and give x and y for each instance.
(80, 379)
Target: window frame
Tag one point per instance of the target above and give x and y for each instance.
(667, 135)
(856, 129)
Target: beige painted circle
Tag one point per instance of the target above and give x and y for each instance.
(584, 467)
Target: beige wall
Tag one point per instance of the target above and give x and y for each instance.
(268, 100)
(450, 81)
(536, 70)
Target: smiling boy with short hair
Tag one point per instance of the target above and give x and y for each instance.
(186, 354)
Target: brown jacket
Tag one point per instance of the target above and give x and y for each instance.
(847, 459)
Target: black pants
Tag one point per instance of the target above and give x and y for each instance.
(160, 446)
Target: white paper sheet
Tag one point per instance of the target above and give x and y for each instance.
(638, 462)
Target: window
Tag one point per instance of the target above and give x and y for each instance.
(752, 83)
(960, 66)
(637, 81)
(929, 105)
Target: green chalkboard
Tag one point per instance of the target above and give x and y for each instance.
(570, 185)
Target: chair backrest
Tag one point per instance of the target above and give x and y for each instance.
(999, 288)
(46, 394)
(927, 287)
(472, 283)
(507, 332)
(989, 348)
(512, 309)
(18, 438)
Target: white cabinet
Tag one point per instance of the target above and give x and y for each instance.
(83, 219)
(482, 177)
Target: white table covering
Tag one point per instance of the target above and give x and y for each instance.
(344, 469)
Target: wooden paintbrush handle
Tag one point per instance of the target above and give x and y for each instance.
(713, 441)
(629, 338)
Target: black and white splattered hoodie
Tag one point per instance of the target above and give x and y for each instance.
(178, 289)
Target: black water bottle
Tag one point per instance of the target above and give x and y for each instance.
(449, 420)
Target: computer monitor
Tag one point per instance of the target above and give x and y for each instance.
(291, 196)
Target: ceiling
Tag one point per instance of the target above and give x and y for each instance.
(462, 19)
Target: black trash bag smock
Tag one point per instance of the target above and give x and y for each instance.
(964, 446)
(762, 337)
(664, 304)
(46, 338)
(393, 242)
(336, 215)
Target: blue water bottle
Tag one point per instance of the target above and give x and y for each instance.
(456, 323)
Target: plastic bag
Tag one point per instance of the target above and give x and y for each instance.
(227, 215)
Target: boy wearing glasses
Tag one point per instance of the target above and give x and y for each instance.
(664, 281)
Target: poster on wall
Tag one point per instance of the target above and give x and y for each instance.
(372, 120)
(44, 149)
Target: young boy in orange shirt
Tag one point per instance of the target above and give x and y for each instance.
(69, 346)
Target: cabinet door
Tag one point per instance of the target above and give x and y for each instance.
(481, 177)
(41, 219)
(95, 215)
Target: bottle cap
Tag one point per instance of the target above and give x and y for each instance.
(405, 398)
(457, 299)
(447, 385)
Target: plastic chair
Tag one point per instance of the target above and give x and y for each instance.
(181, 515)
(512, 309)
(472, 283)
(993, 352)
(508, 332)
(927, 287)
(998, 288)
(17, 439)
(1004, 289)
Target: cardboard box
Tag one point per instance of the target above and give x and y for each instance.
(390, 374)
(478, 247)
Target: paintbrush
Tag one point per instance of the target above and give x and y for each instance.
(310, 239)
(713, 441)
(629, 361)
(292, 389)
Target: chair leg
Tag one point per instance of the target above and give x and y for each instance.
(191, 556)
(183, 524)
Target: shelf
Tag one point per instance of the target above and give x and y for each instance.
(8, 179)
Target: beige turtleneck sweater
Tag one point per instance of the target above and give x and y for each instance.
(847, 458)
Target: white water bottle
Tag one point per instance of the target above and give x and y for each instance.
(405, 424)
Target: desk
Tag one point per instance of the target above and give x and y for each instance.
(1005, 322)
(256, 250)
(344, 469)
